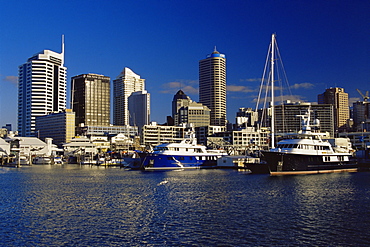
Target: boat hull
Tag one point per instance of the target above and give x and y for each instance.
(289, 164)
(173, 162)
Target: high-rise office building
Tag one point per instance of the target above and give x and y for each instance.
(361, 113)
(186, 111)
(124, 85)
(212, 86)
(41, 88)
(286, 120)
(91, 99)
(339, 99)
(139, 108)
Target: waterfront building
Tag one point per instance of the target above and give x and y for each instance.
(91, 99)
(286, 120)
(186, 111)
(3, 132)
(124, 85)
(108, 130)
(122, 142)
(31, 146)
(4, 148)
(212, 86)
(360, 140)
(361, 113)
(80, 145)
(203, 132)
(249, 139)
(41, 88)
(139, 108)
(246, 117)
(101, 142)
(63, 122)
(339, 99)
(154, 134)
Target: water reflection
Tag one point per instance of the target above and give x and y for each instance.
(83, 206)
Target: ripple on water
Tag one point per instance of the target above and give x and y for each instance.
(81, 206)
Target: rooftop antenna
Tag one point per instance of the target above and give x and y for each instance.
(63, 46)
(215, 49)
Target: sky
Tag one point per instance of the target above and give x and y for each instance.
(323, 44)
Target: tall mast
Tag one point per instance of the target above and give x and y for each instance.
(272, 92)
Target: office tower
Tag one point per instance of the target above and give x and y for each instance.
(184, 110)
(139, 108)
(126, 83)
(91, 99)
(212, 86)
(63, 122)
(286, 120)
(339, 99)
(41, 88)
(361, 114)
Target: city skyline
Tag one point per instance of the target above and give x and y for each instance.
(323, 44)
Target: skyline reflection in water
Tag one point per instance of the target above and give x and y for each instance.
(94, 206)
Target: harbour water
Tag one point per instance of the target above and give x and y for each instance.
(74, 205)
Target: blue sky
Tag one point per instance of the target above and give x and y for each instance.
(323, 43)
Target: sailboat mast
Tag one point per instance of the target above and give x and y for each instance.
(272, 92)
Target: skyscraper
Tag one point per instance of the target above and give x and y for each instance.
(91, 99)
(212, 86)
(139, 108)
(339, 99)
(41, 88)
(126, 83)
(184, 110)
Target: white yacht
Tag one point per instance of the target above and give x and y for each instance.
(307, 152)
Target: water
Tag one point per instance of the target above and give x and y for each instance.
(93, 206)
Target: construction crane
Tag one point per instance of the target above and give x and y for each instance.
(366, 96)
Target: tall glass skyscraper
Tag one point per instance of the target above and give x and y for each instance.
(212, 86)
(42, 87)
(124, 85)
(139, 108)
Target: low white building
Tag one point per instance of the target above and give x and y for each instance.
(80, 145)
(4, 147)
(31, 146)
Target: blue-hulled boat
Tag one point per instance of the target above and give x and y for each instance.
(184, 155)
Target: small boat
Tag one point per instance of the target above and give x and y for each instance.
(16, 161)
(184, 155)
(41, 160)
(57, 160)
